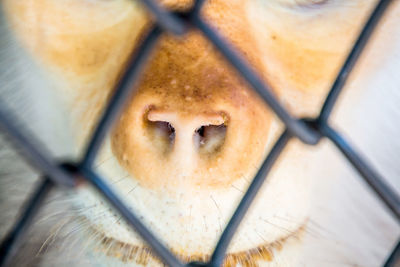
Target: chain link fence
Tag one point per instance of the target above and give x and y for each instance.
(309, 131)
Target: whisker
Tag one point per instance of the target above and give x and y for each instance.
(96, 166)
(215, 202)
(263, 239)
(237, 189)
(130, 191)
(50, 239)
(52, 216)
(205, 223)
(91, 239)
(277, 226)
(123, 178)
(320, 227)
(308, 228)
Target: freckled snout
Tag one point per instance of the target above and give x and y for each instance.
(195, 127)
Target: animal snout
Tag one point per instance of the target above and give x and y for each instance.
(165, 141)
(192, 122)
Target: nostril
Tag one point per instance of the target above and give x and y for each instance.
(180, 131)
(165, 130)
(162, 134)
(210, 138)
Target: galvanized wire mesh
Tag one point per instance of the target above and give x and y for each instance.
(309, 131)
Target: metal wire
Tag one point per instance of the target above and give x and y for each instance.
(122, 93)
(165, 255)
(296, 127)
(371, 176)
(13, 240)
(165, 19)
(393, 259)
(351, 60)
(308, 131)
(226, 237)
(35, 157)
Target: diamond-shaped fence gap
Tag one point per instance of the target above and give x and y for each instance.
(35, 156)
(16, 183)
(352, 58)
(226, 237)
(371, 177)
(124, 89)
(14, 238)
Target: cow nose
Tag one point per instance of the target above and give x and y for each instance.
(188, 136)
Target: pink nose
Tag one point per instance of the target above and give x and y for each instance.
(188, 135)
